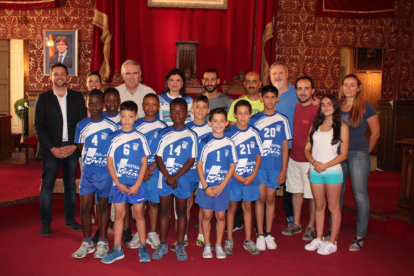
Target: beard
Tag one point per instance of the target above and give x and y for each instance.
(59, 85)
(305, 100)
(210, 90)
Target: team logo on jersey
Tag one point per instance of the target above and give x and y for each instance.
(104, 135)
(184, 145)
(278, 128)
(226, 152)
(213, 174)
(252, 144)
(135, 146)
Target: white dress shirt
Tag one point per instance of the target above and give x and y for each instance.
(63, 105)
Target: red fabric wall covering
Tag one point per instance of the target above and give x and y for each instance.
(355, 8)
(318, 53)
(226, 38)
(29, 4)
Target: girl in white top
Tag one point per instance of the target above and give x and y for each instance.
(326, 135)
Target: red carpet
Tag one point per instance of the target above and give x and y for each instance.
(28, 253)
(383, 192)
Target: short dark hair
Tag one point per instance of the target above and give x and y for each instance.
(270, 89)
(200, 98)
(217, 110)
(305, 78)
(176, 71)
(58, 64)
(242, 103)
(210, 71)
(63, 39)
(96, 92)
(149, 95)
(129, 106)
(94, 73)
(111, 90)
(179, 101)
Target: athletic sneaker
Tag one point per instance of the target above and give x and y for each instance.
(200, 241)
(251, 247)
(127, 235)
(153, 239)
(315, 244)
(228, 247)
(220, 253)
(111, 225)
(327, 248)
(174, 246)
(134, 243)
(291, 230)
(235, 228)
(290, 220)
(160, 251)
(270, 242)
(113, 255)
(309, 234)
(181, 254)
(83, 250)
(260, 243)
(207, 252)
(143, 254)
(101, 250)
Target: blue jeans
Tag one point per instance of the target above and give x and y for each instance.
(358, 165)
(50, 171)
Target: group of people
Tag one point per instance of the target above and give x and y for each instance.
(226, 154)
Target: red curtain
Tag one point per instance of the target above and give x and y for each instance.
(355, 8)
(226, 37)
(28, 4)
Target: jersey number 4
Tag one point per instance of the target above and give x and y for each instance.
(95, 140)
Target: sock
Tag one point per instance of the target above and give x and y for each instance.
(118, 247)
(88, 240)
(180, 243)
(164, 242)
(200, 236)
(105, 240)
(143, 244)
(185, 237)
(268, 234)
(260, 235)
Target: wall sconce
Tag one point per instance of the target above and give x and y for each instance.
(49, 43)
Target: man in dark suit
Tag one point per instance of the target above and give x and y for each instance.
(57, 112)
(63, 55)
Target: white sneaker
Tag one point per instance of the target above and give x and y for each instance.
(314, 244)
(153, 239)
(220, 253)
(207, 252)
(270, 242)
(260, 243)
(327, 248)
(134, 243)
(83, 250)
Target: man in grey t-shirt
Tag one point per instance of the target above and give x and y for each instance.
(215, 98)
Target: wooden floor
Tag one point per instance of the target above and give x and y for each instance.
(17, 158)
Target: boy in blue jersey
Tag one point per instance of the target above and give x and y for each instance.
(90, 136)
(127, 161)
(275, 132)
(200, 109)
(245, 183)
(215, 166)
(151, 126)
(175, 155)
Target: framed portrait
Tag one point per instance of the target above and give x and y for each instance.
(194, 4)
(60, 46)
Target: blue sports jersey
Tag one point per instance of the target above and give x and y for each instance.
(248, 146)
(164, 113)
(176, 147)
(93, 135)
(273, 129)
(114, 118)
(151, 130)
(127, 149)
(217, 154)
(202, 131)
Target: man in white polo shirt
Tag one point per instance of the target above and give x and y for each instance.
(132, 90)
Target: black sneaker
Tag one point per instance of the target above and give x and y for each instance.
(45, 230)
(74, 225)
(127, 235)
(111, 225)
(235, 228)
(95, 238)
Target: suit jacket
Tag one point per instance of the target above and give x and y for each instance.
(48, 121)
(67, 61)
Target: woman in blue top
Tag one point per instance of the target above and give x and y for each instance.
(358, 113)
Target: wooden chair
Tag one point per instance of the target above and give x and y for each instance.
(30, 143)
(15, 141)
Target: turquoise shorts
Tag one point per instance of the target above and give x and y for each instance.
(326, 177)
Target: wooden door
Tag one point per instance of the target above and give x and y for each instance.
(4, 77)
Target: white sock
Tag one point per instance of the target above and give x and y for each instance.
(185, 237)
(200, 235)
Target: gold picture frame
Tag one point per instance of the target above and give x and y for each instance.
(192, 4)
